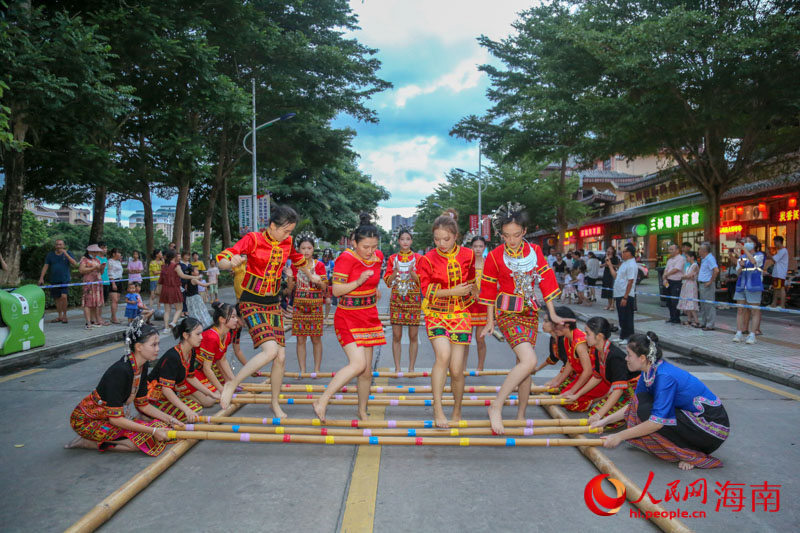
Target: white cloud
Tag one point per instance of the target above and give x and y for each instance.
(464, 76)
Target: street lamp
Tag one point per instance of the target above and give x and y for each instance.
(481, 189)
(252, 151)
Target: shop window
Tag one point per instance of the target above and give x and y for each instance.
(695, 238)
(607, 164)
(774, 231)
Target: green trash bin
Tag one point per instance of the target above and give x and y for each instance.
(22, 314)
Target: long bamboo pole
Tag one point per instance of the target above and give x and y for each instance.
(252, 387)
(396, 441)
(529, 423)
(469, 373)
(386, 396)
(451, 432)
(407, 402)
(658, 515)
(103, 511)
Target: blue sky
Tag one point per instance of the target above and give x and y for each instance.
(429, 51)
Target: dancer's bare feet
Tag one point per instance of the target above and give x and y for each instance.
(78, 442)
(439, 420)
(683, 465)
(456, 418)
(496, 419)
(277, 411)
(319, 409)
(362, 415)
(227, 394)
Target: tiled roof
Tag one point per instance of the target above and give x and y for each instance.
(787, 181)
(618, 177)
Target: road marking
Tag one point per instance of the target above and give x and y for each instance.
(87, 355)
(359, 510)
(765, 387)
(21, 374)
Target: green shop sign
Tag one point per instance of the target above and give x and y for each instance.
(675, 221)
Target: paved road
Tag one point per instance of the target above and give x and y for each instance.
(280, 487)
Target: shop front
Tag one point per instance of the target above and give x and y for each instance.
(592, 238)
(675, 227)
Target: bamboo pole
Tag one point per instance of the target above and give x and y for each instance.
(103, 511)
(529, 423)
(407, 402)
(397, 375)
(452, 432)
(392, 441)
(253, 387)
(632, 491)
(385, 396)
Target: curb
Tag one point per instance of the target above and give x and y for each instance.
(45, 354)
(743, 365)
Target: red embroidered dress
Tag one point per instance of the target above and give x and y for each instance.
(447, 316)
(308, 301)
(259, 303)
(404, 310)
(212, 349)
(120, 385)
(610, 366)
(171, 372)
(499, 288)
(356, 319)
(477, 311)
(568, 387)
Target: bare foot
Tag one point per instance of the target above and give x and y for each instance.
(77, 442)
(397, 370)
(362, 415)
(456, 416)
(227, 394)
(496, 418)
(277, 411)
(319, 410)
(683, 465)
(411, 369)
(439, 420)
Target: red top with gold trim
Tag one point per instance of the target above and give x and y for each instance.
(612, 368)
(265, 261)
(573, 359)
(401, 257)
(498, 278)
(356, 318)
(438, 270)
(304, 289)
(171, 372)
(212, 349)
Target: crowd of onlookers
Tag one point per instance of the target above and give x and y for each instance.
(689, 282)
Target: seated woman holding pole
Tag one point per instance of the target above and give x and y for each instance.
(173, 387)
(610, 370)
(214, 370)
(103, 420)
(673, 415)
(558, 350)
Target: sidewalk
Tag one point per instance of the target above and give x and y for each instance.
(774, 356)
(64, 338)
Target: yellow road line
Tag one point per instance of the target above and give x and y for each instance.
(359, 510)
(765, 387)
(87, 355)
(21, 374)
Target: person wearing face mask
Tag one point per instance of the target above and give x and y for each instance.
(749, 287)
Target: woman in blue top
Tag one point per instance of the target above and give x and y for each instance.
(673, 415)
(749, 287)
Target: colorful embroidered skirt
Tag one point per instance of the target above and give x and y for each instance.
(456, 327)
(105, 434)
(167, 407)
(584, 402)
(519, 327)
(190, 389)
(307, 316)
(623, 400)
(361, 326)
(405, 310)
(477, 313)
(690, 440)
(264, 322)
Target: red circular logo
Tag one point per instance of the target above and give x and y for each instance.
(596, 498)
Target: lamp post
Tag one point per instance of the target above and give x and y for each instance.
(252, 151)
(481, 188)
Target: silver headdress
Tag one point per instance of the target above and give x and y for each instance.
(133, 333)
(469, 236)
(523, 269)
(401, 229)
(305, 235)
(652, 351)
(504, 211)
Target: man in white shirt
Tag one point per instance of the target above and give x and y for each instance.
(673, 274)
(592, 275)
(707, 286)
(779, 272)
(551, 257)
(625, 291)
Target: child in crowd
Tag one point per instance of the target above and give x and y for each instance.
(569, 285)
(580, 282)
(213, 281)
(134, 306)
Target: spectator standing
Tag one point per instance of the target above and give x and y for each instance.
(625, 291)
(749, 286)
(673, 275)
(780, 271)
(608, 278)
(58, 262)
(213, 281)
(688, 301)
(551, 257)
(115, 275)
(592, 275)
(201, 268)
(103, 258)
(707, 287)
(91, 268)
(135, 268)
(186, 267)
(560, 268)
(156, 262)
(686, 247)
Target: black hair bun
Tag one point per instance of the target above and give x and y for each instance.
(364, 219)
(652, 336)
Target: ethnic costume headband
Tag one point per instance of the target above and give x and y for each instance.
(505, 210)
(133, 333)
(652, 351)
(399, 230)
(306, 235)
(468, 237)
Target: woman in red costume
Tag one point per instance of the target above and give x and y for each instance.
(510, 274)
(213, 367)
(405, 307)
(447, 281)
(477, 311)
(267, 253)
(356, 275)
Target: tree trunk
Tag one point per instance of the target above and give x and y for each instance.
(98, 214)
(212, 205)
(711, 222)
(183, 194)
(13, 206)
(226, 222)
(187, 226)
(149, 231)
(561, 212)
